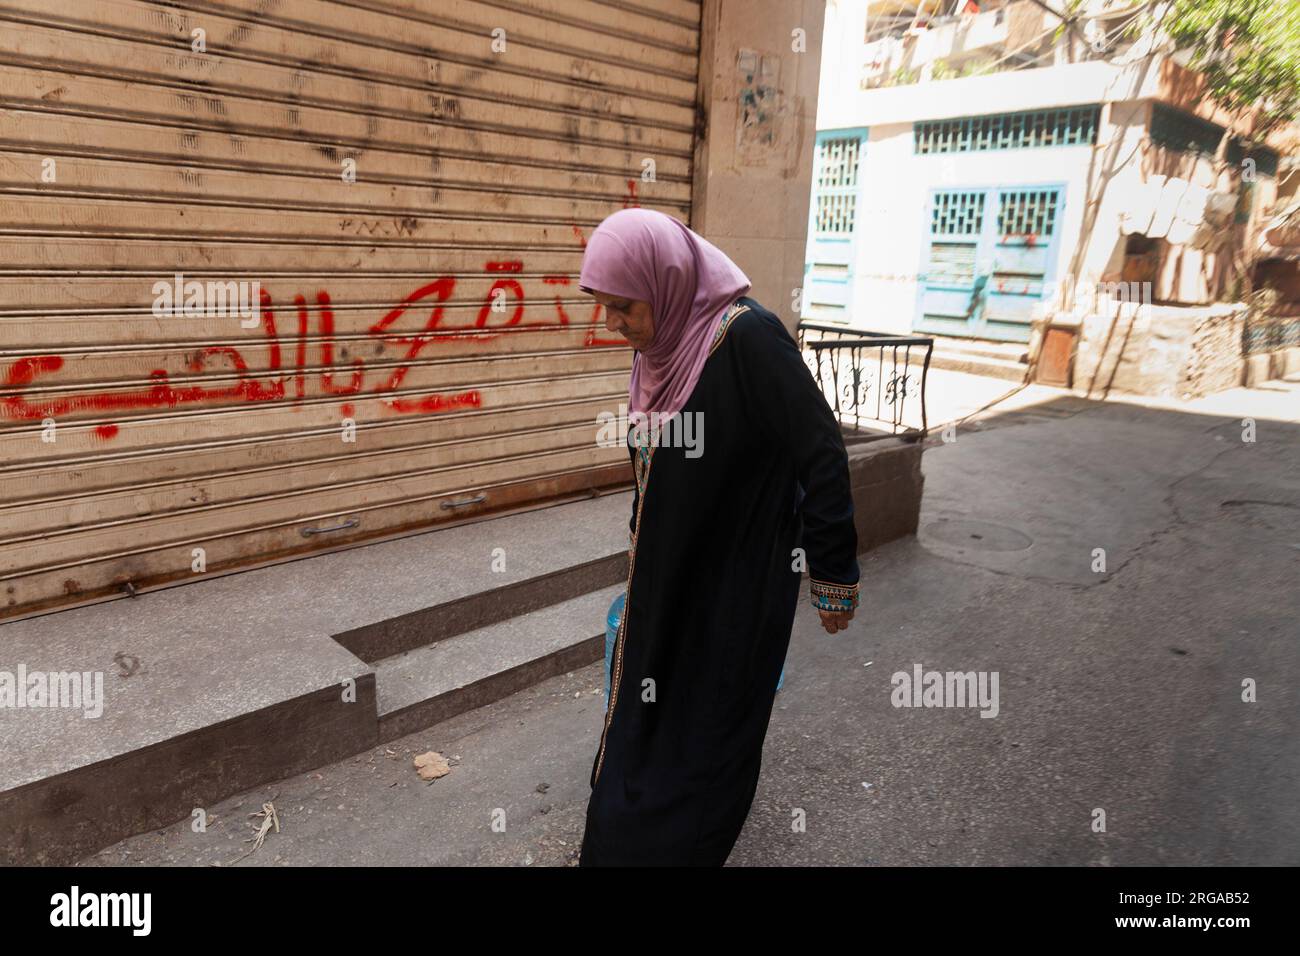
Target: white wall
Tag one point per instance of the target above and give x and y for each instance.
(843, 103)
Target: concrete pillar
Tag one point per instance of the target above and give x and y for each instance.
(758, 116)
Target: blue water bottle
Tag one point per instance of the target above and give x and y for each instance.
(611, 635)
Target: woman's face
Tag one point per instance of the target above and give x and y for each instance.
(630, 318)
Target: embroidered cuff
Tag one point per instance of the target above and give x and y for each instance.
(834, 597)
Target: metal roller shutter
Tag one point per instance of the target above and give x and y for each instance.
(433, 301)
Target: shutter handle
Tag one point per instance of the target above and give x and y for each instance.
(462, 503)
(349, 523)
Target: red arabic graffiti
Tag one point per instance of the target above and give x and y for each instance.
(349, 380)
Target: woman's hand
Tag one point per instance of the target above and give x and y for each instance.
(835, 621)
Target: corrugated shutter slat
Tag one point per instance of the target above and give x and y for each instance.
(478, 177)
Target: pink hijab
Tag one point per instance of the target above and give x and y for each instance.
(689, 283)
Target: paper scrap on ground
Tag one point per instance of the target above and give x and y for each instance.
(431, 765)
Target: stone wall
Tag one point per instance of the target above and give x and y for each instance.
(1171, 351)
(1214, 356)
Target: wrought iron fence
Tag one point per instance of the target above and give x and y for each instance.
(874, 382)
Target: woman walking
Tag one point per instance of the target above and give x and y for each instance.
(722, 528)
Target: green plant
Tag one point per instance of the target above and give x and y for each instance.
(902, 77)
(941, 70)
(1247, 50)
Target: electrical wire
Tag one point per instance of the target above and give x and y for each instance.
(1105, 39)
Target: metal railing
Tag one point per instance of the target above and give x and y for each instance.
(872, 380)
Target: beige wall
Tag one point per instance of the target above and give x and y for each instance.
(753, 165)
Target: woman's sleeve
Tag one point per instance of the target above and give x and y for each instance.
(795, 413)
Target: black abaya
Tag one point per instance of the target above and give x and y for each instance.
(712, 591)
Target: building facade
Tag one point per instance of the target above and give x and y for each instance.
(1059, 197)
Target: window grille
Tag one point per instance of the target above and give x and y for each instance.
(1069, 126)
(957, 213)
(1023, 212)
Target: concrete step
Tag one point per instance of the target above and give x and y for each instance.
(988, 368)
(233, 681)
(984, 348)
(1003, 360)
(434, 683)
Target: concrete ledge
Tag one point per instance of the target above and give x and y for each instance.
(432, 624)
(1290, 361)
(490, 689)
(1257, 370)
(235, 680)
(1268, 366)
(887, 486)
(988, 368)
(437, 682)
(59, 819)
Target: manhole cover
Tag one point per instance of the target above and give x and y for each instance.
(976, 535)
